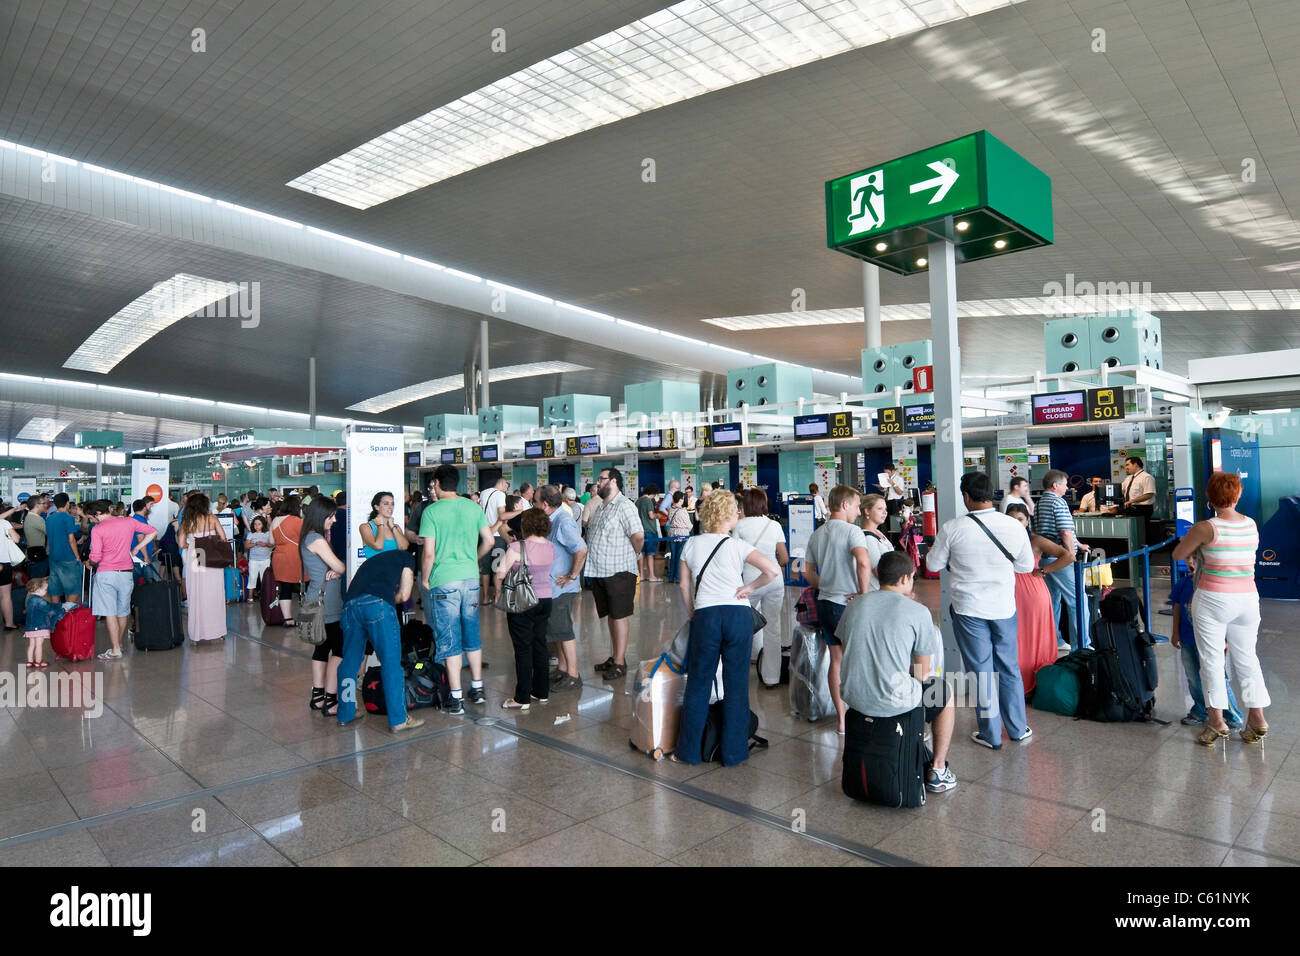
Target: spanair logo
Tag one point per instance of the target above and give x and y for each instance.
(75, 909)
(154, 492)
(1269, 559)
(378, 449)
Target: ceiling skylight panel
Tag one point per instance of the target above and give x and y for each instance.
(674, 54)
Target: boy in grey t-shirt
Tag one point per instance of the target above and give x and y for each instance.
(838, 565)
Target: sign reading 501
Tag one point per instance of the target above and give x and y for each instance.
(1105, 404)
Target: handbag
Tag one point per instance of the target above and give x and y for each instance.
(10, 553)
(311, 616)
(517, 592)
(214, 552)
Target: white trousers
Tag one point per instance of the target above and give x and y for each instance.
(255, 568)
(770, 602)
(1231, 620)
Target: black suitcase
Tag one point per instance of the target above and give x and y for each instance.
(885, 758)
(158, 616)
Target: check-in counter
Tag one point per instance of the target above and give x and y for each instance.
(1116, 535)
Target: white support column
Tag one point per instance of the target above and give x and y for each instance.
(484, 367)
(947, 409)
(871, 303)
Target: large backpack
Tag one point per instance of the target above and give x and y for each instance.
(1124, 676)
(427, 685)
(711, 744)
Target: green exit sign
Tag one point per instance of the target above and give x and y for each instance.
(975, 191)
(99, 439)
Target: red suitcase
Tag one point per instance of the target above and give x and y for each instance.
(74, 636)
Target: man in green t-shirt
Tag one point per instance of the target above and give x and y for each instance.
(456, 535)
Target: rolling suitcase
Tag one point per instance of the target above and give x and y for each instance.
(73, 638)
(810, 661)
(656, 707)
(158, 616)
(885, 758)
(270, 599)
(234, 585)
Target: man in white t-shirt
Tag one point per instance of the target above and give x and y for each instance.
(819, 503)
(1018, 494)
(162, 514)
(982, 551)
(491, 501)
(527, 491)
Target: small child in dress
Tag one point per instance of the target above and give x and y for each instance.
(41, 618)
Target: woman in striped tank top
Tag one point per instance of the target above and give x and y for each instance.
(1225, 608)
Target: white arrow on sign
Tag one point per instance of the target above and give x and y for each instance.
(947, 176)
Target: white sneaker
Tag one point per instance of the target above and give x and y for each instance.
(110, 655)
(1029, 732)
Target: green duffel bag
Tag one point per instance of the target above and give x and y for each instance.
(1063, 686)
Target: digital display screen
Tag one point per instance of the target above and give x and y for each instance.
(918, 418)
(727, 435)
(486, 453)
(304, 468)
(824, 425)
(1060, 407)
(649, 441)
(414, 459)
(453, 456)
(589, 445)
(331, 465)
(282, 470)
(532, 449)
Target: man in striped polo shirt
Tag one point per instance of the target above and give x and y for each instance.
(1052, 519)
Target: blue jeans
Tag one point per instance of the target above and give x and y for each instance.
(455, 618)
(1192, 667)
(990, 652)
(373, 619)
(1060, 586)
(727, 632)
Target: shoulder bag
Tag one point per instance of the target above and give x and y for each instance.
(214, 551)
(10, 553)
(311, 614)
(517, 592)
(992, 537)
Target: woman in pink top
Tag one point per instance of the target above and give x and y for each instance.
(1225, 608)
(528, 628)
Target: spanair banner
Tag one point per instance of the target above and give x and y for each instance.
(690, 470)
(22, 488)
(149, 477)
(1126, 438)
(376, 462)
(543, 472)
(586, 473)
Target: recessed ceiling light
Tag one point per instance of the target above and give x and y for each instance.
(1000, 244)
(881, 246)
(686, 50)
(922, 261)
(963, 226)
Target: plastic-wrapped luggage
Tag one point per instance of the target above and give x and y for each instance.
(657, 707)
(810, 662)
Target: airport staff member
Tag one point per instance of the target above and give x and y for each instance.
(892, 489)
(1089, 503)
(1139, 489)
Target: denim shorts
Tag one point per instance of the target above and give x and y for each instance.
(65, 577)
(111, 594)
(455, 619)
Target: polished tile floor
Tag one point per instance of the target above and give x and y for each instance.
(210, 757)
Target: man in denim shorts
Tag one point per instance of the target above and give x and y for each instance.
(111, 554)
(456, 535)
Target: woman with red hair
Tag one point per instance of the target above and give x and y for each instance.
(1225, 608)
